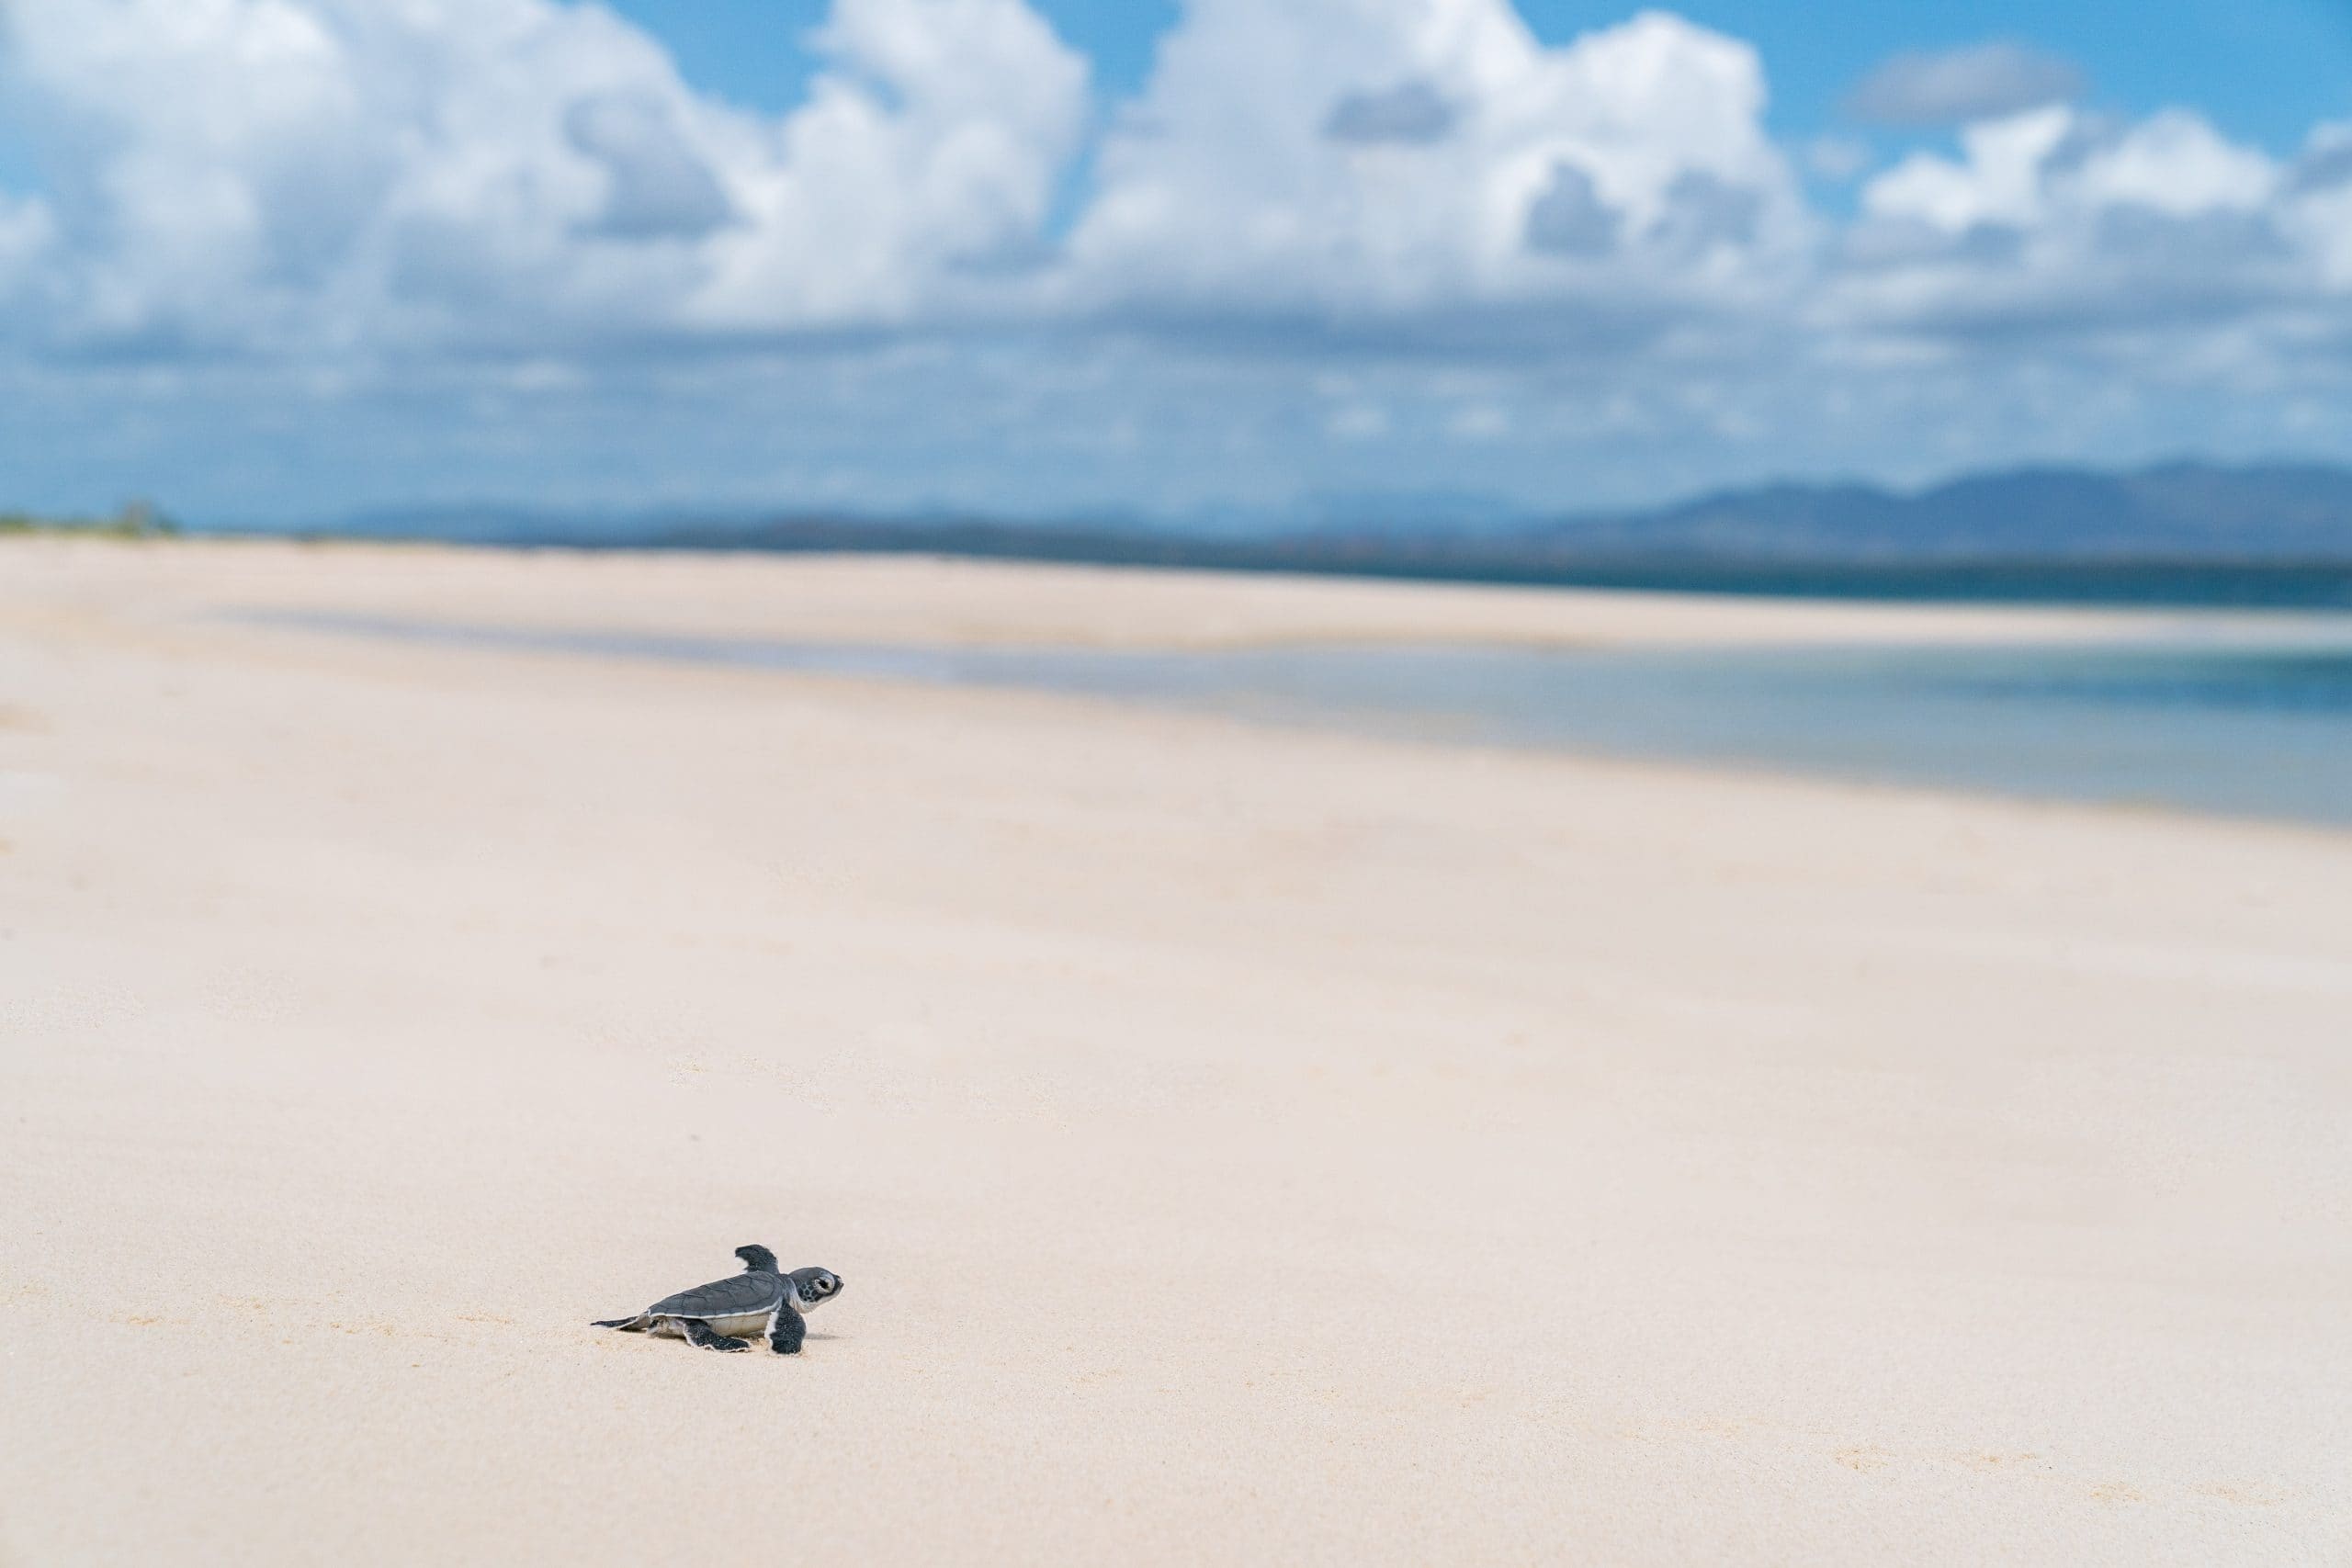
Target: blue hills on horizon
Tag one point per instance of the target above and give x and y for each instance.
(2180, 510)
(2273, 533)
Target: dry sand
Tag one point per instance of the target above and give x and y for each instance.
(1241, 1146)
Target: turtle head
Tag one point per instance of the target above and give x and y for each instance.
(814, 1285)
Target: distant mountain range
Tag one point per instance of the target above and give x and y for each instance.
(2271, 533)
(2193, 511)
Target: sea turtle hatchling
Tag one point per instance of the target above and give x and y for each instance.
(763, 1299)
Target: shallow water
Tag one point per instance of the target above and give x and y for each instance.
(2250, 725)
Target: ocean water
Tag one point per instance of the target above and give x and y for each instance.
(2209, 719)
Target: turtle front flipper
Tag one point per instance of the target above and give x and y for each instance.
(786, 1329)
(626, 1325)
(699, 1335)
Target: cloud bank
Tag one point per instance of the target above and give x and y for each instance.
(351, 189)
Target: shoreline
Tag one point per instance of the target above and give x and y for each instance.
(1290, 694)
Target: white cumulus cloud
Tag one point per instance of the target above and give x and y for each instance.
(2054, 222)
(1345, 158)
(308, 175)
(2319, 202)
(929, 155)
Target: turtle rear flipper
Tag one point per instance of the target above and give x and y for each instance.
(626, 1325)
(699, 1335)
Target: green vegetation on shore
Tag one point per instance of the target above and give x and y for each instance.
(136, 520)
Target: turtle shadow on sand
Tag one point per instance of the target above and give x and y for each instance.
(722, 1315)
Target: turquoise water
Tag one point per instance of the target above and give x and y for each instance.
(2247, 724)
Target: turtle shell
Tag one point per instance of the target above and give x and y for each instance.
(737, 1296)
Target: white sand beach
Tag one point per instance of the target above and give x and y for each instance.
(1240, 1145)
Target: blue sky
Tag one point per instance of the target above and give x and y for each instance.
(287, 260)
